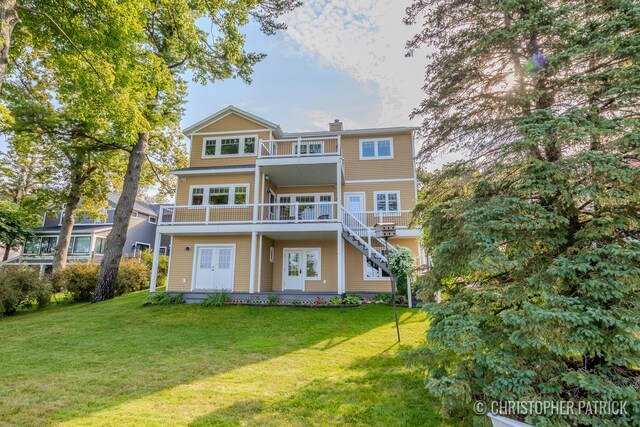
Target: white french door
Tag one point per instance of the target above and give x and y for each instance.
(293, 278)
(213, 267)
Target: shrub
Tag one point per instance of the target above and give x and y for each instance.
(78, 279)
(351, 299)
(163, 265)
(163, 298)
(272, 299)
(21, 285)
(387, 298)
(133, 276)
(334, 301)
(400, 262)
(216, 299)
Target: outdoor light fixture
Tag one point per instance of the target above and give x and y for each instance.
(187, 249)
(267, 177)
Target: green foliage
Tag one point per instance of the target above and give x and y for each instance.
(333, 301)
(400, 262)
(534, 240)
(386, 297)
(215, 299)
(133, 276)
(79, 279)
(163, 298)
(272, 299)
(20, 285)
(14, 226)
(352, 299)
(163, 265)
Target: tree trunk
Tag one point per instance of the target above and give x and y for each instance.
(7, 249)
(68, 220)
(8, 19)
(105, 288)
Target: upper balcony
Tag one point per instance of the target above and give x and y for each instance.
(302, 161)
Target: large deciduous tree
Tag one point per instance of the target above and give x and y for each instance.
(535, 238)
(175, 44)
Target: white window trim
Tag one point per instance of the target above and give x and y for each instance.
(165, 250)
(146, 245)
(304, 265)
(232, 192)
(372, 279)
(95, 243)
(154, 218)
(375, 141)
(72, 244)
(241, 152)
(375, 201)
(39, 238)
(134, 214)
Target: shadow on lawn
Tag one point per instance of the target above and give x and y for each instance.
(72, 361)
(378, 391)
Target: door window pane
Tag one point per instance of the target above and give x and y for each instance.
(206, 258)
(219, 196)
(315, 148)
(197, 196)
(250, 145)
(240, 197)
(209, 147)
(229, 146)
(224, 258)
(293, 264)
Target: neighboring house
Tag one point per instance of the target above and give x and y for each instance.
(88, 239)
(260, 210)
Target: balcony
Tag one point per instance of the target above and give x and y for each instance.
(302, 161)
(268, 213)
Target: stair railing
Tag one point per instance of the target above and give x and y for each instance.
(361, 231)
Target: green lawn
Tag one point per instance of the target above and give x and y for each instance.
(119, 363)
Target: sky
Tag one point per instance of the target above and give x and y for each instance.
(337, 59)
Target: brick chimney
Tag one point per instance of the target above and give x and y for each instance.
(335, 126)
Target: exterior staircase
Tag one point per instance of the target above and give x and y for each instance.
(363, 238)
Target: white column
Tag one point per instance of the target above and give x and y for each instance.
(339, 183)
(154, 265)
(409, 292)
(252, 267)
(260, 263)
(256, 193)
(340, 265)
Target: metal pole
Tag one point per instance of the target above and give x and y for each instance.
(393, 290)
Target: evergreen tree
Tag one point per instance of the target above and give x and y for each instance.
(535, 238)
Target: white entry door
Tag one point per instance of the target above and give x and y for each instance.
(214, 268)
(293, 270)
(355, 204)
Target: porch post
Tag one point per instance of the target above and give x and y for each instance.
(252, 267)
(340, 261)
(256, 192)
(154, 265)
(260, 263)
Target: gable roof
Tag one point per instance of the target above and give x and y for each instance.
(225, 112)
(137, 206)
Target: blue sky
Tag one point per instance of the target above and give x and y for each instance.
(337, 59)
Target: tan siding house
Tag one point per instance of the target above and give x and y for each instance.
(260, 211)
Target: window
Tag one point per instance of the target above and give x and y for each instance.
(153, 220)
(249, 145)
(32, 246)
(312, 263)
(219, 196)
(48, 245)
(387, 201)
(40, 245)
(79, 245)
(372, 271)
(163, 250)
(230, 146)
(197, 196)
(134, 214)
(210, 147)
(101, 243)
(240, 197)
(226, 195)
(376, 149)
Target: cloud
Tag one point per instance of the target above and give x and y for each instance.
(364, 39)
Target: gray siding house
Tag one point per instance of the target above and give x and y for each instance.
(88, 239)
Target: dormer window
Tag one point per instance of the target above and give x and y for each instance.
(229, 146)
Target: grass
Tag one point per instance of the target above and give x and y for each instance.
(119, 363)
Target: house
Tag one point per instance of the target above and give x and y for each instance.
(262, 211)
(89, 236)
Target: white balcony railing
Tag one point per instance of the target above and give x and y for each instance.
(300, 147)
(267, 213)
